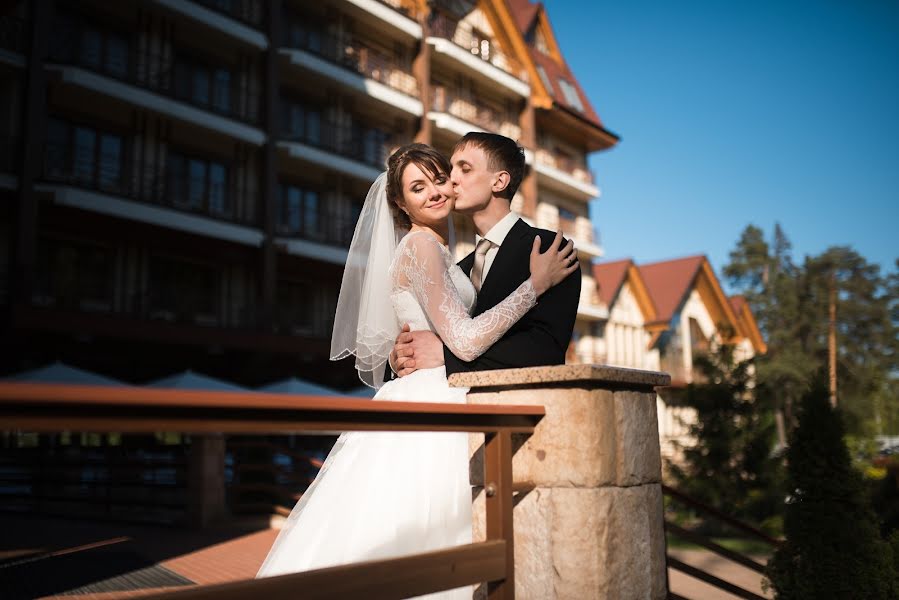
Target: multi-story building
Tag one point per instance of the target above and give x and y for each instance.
(181, 178)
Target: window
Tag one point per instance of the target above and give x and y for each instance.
(198, 184)
(82, 155)
(73, 275)
(301, 122)
(544, 78)
(300, 212)
(76, 40)
(203, 85)
(305, 308)
(183, 291)
(571, 95)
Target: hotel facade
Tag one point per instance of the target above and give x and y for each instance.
(181, 179)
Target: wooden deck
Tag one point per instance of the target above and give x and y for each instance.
(43, 557)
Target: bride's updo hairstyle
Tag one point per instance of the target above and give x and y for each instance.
(427, 159)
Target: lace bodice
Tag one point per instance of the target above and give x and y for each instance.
(431, 292)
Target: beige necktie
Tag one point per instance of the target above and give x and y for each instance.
(480, 257)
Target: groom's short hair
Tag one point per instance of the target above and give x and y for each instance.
(503, 154)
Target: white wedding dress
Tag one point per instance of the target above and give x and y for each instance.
(387, 494)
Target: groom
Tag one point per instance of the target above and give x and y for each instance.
(487, 170)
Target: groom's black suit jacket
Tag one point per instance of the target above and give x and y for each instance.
(542, 336)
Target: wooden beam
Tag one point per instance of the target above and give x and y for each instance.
(498, 489)
(54, 407)
(373, 580)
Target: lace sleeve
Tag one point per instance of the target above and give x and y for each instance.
(421, 267)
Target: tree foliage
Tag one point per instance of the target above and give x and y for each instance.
(833, 547)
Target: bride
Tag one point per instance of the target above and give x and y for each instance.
(387, 494)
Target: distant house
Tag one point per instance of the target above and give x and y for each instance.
(662, 315)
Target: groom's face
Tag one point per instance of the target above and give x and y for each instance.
(473, 182)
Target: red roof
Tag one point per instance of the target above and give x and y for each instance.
(669, 281)
(737, 303)
(524, 13)
(610, 277)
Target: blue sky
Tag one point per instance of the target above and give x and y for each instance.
(737, 113)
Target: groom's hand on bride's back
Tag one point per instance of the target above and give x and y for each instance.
(415, 350)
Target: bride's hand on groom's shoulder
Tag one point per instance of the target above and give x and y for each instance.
(414, 350)
(553, 266)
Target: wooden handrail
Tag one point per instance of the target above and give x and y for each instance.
(52, 407)
(373, 580)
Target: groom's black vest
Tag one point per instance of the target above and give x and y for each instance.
(542, 336)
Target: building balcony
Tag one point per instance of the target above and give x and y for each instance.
(565, 175)
(391, 14)
(592, 310)
(580, 229)
(238, 19)
(197, 203)
(321, 235)
(458, 114)
(355, 65)
(362, 155)
(458, 43)
(208, 97)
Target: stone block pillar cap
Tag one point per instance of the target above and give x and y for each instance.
(590, 376)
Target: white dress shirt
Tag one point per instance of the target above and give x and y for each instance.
(497, 235)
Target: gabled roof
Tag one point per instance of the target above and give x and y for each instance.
(528, 15)
(610, 279)
(669, 282)
(747, 325)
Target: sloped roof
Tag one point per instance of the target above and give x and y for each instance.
(610, 277)
(747, 323)
(188, 380)
(669, 281)
(293, 385)
(59, 372)
(525, 13)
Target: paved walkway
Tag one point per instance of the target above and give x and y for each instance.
(694, 589)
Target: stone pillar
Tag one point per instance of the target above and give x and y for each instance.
(592, 525)
(206, 479)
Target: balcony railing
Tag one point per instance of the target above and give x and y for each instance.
(329, 228)
(477, 113)
(151, 184)
(369, 146)
(400, 7)
(355, 55)
(565, 164)
(464, 35)
(12, 34)
(245, 11)
(157, 73)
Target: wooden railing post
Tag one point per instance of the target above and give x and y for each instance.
(498, 491)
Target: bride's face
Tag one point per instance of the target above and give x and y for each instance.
(427, 201)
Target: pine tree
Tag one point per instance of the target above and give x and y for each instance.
(833, 548)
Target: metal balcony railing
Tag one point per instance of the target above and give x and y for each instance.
(152, 184)
(354, 54)
(566, 164)
(466, 37)
(465, 107)
(229, 96)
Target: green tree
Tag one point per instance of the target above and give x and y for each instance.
(833, 547)
(729, 461)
